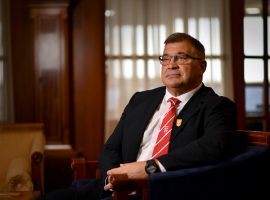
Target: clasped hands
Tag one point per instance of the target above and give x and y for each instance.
(134, 170)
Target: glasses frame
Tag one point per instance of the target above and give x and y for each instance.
(175, 58)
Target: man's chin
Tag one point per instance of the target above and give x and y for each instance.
(175, 85)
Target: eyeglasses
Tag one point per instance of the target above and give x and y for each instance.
(180, 59)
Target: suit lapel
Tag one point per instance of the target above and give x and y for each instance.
(191, 108)
(149, 109)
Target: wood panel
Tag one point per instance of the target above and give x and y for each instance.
(50, 44)
(23, 74)
(89, 76)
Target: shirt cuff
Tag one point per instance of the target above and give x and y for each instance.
(161, 167)
(106, 182)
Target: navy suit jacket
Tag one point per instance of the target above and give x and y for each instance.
(204, 136)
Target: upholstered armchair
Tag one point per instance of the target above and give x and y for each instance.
(21, 157)
(238, 178)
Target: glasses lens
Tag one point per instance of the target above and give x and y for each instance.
(178, 58)
(164, 60)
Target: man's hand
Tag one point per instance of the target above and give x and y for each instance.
(134, 170)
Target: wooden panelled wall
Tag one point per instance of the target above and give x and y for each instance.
(59, 76)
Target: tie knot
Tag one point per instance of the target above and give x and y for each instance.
(174, 101)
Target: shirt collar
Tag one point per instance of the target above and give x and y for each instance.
(184, 97)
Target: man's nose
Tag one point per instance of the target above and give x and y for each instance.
(173, 62)
(173, 59)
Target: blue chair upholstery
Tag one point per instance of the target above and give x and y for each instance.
(238, 178)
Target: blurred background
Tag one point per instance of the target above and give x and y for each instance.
(73, 64)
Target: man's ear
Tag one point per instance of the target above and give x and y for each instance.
(203, 65)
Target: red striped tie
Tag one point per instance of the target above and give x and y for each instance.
(163, 140)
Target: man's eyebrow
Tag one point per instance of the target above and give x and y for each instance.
(181, 53)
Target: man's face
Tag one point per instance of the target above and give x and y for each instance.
(182, 75)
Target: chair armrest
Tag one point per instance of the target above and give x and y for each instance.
(37, 170)
(123, 186)
(83, 169)
(78, 168)
(18, 176)
(38, 144)
(37, 159)
(121, 181)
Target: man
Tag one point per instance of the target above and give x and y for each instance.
(207, 120)
(202, 125)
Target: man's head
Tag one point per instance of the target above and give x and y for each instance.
(181, 37)
(183, 63)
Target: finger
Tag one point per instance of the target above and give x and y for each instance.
(110, 178)
(109, 186)
(114, 171)
(109, 172)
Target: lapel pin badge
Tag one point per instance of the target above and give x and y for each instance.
(178, 122)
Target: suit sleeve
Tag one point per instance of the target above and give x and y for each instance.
(111, 155)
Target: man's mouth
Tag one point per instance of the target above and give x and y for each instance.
(173, 75)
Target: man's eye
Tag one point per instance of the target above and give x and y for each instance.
(165, 59)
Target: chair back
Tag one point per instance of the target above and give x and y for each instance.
(241, 177)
